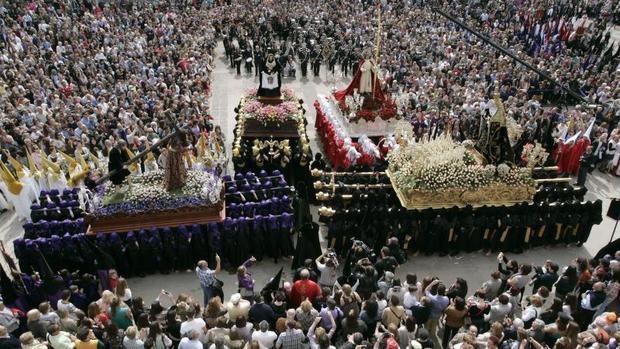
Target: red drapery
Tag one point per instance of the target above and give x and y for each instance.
(355, 84)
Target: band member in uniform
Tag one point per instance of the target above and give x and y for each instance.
(247, 58)
(258, 60)
(226, 42)
(237, 57)
(329, 52)
(233, 47)
(304, 56)
(345, 59)
(315, 58)
(355, 59)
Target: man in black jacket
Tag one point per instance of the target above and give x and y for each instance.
(261, 312)
(117, 158)
(386, 263)
(304, 57)
(546, 277)
(7, 341)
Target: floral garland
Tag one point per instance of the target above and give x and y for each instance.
(534, 155)
(146, 192)
(252, 108)
(326, 119)
(442, 164)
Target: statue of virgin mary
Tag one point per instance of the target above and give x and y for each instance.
(270, 78)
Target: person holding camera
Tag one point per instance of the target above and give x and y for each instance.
(359, 252)
(387, 262)
(546, 275)
(244, 279)
(327, 264)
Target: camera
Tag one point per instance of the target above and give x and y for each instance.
(362, 248)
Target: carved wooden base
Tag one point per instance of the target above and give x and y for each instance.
(491, 195)
(270, 100)
(285, 129)
(173, 218)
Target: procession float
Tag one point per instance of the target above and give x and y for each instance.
(270, 132)
(188, 190)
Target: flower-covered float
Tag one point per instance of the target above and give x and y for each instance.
(444, 173)
(142, 201)
(270, 136)
(269, 114)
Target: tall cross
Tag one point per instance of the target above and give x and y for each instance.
(377, 46)
(378, 35)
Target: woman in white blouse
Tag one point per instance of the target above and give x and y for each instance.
(123, 292)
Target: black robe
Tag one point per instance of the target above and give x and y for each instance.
(269, 74)
(115, 163)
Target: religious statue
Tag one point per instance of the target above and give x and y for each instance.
(175, 164)
(497, 148)
(367, 83)
(270, 78)
(368, 71)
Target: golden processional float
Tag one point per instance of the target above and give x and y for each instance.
(442, 173)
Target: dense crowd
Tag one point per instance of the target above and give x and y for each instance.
(519, 306)
(77, 79)
(443, 77)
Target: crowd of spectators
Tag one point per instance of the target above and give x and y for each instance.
(444, 77)
(80, 77)
(519, 306)
(77, 78)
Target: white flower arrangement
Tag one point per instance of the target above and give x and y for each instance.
(514, 130)
(202, 184)
(442, 164)
(150, 187)
(503, 170)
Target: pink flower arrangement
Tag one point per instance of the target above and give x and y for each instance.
(252, 107)
(527, 149)
(287, 110)
(270, 113)
(288, 94)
